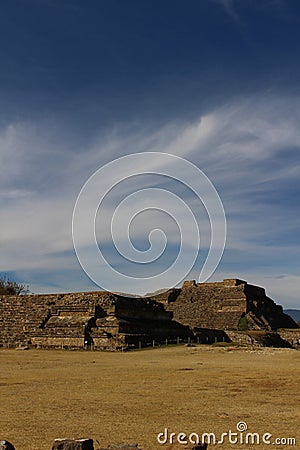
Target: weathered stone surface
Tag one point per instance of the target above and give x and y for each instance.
(258, 338)
(106, 321)
(72, 444)
(292, 336)
(96, 320)
(5, 445)
(221, 305)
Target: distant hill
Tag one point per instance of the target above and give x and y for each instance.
(294, 313)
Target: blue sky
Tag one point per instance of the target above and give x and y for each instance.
(214, 81)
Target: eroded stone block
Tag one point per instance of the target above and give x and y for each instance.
(5, 445)
(72, 444)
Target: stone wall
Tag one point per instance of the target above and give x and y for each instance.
(292, 336)
(259, 338)
(208, 305)
(99, 320)
(221, 305)
(107, 321)
(265, 311)
(21, 317)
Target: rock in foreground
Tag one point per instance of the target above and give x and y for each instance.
(71, 444)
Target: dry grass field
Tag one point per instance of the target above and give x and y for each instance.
(131, 397)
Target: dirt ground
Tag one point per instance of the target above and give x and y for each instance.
(134, 396)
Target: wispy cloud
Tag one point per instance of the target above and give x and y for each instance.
(249, 148)
(230, 9)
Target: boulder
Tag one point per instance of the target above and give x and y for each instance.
(5, 445)
(73, 444)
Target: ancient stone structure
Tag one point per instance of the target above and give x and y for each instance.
(205, 312)
(221, 306)
(290, 335)
(97, 320)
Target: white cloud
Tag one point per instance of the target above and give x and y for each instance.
(249, 148)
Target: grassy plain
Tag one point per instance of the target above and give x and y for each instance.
(131, 397)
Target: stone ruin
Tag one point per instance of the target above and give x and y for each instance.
(96, 320)
(232, 310)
